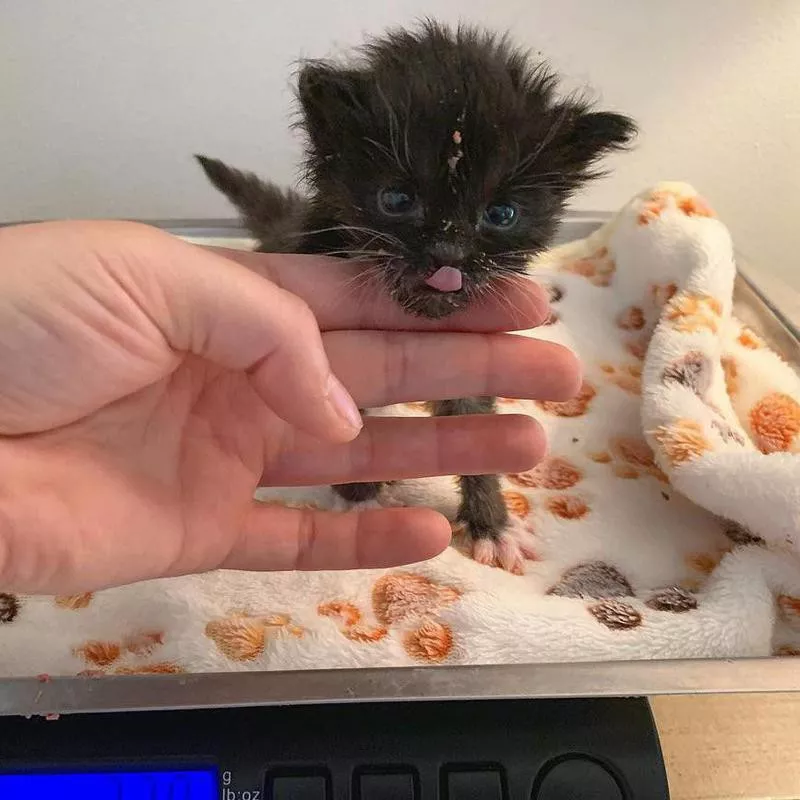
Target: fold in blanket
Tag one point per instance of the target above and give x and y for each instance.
(666, 514)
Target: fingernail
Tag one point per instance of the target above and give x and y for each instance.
(343, 404)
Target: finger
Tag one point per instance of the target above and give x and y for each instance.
(327, 285)
(227, 314)
(394, 448)
(276, 538)
(380, 368)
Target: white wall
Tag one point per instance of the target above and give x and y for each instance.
(103, 101)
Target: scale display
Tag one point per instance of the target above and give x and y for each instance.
(111, 785)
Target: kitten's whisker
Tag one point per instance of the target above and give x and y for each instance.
(348, 229)
(492, 289)
(512, 282)
(524, 252)
(356, 289)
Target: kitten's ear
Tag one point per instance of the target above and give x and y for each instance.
(590, 135)
(329, 96)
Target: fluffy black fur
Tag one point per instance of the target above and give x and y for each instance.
(456, 120)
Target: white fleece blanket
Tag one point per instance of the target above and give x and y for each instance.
(666, 514)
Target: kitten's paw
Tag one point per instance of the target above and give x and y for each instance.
(508, 550)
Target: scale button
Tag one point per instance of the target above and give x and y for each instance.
(386, 786)
(298, 787)
(577, 778)
(475, 784)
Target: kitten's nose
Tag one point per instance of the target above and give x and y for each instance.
(450, 254)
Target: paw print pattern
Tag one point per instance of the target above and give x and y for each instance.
(731, 371)
(616, 615)
(9, 608)
(628, 377)
(747, 338)
(598, 269)
(688, 312)
(682, 441)
(740, 534)
(576, 407)
(661, 293)
(352, 627)
(704, 563)
(631, 319)
(786, 651)
(567, 506)
(775, 423)
(74, 602)
(638, 347)
(692, 370)
(243, 637)
(551, 473)
(401, 596)
(661, 200)
(431, 642)
(630, 458)
(517, 503)
(675, 599)
(98, 653)
(406, 601)
(593, 580)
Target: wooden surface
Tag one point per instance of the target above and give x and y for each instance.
(722, 747)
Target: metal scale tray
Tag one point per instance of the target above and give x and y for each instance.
(775, 315)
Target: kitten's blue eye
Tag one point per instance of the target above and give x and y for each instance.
(500, 215)
(396, 202)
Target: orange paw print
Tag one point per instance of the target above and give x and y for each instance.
(628, 377)
(731, 372)
(517, 504)
(567, 506)
(662, 293)
(660, 201)
(682, 441)
(689, 313)
(406, 600)
(599, 268)
(552, 473)
(631, 458)
(750, 340)
(789, 607)
(74, 602)
(775, 422)
(350, 617)
(402, 596)
(576, 407)
(103, 656)
(244, 637)
(631, 319)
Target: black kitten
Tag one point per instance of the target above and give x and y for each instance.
(444, 160)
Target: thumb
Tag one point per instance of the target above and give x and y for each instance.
(221, 311)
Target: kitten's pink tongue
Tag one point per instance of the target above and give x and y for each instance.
(445, 279)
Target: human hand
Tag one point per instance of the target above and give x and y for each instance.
(148, 386)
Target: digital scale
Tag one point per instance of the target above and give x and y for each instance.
(590, 749)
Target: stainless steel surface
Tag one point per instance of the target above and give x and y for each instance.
(30, 696)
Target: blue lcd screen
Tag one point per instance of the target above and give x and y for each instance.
(112, 785)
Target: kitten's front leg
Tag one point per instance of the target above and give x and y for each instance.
(488, 533)
(358, 492)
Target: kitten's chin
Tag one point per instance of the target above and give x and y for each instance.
(423, 301)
